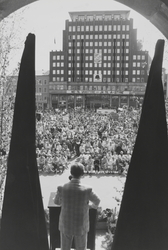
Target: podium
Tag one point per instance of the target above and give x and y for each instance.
(54, 212)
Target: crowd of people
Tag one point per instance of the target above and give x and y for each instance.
(102, 143)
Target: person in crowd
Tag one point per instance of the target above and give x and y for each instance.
(74, 198)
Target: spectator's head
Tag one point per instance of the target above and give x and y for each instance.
(77, 170)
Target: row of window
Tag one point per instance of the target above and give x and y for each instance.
(109, 79)
(58, 71)
(58, 64)
(78, 51)
(99, 17)
(109, 72)
(105, 64)
(58, 57)
(105, 57)
(100, 43)
(92, 28)
(40, 81)
(96, 36)
(90, 79)
(58, 79)
(41, 90)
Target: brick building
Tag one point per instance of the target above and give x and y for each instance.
(100, 65)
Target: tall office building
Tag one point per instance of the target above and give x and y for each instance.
(101, 64)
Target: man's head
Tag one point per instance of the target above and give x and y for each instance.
(77, 170)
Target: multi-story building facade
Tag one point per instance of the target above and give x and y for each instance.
(100, 65)
(42, 89)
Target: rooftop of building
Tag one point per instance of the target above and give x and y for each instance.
(109, 13)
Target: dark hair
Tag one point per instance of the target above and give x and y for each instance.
(77, 170)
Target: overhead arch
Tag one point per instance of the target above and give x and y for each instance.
(156, 11)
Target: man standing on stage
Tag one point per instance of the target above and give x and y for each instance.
(73, 197)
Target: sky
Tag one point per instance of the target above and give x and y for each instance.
(46, 19)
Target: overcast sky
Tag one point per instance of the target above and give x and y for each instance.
(46, 19)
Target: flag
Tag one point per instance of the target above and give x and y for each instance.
(23, 222)
(143, 218)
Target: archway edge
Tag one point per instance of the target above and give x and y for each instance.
(156, 11)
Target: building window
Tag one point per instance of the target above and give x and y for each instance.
(109, 65)
(87, 44)
(138, 72)
(127, 51)
(109, 72)
(62, 79)
(54, 64)
(100, 28)
(96, 36)
(134, 64)
(134, 57)
(138, 64)
(109, 50)
(118, 36)
(114, 36)
(109, 43)
(138, 79)
(82, 28)
(74, 28)
(90, 64)
(58, 64)
(127, 58)
(54, 57)
(91, 36)
(126, 72)
(127, 43)
(118, 27)
(91, 50)
(69, 72)
(127, 36)
(109, 58)
(86, 72)
(87, 28)
(54, 79)
(123, 27)
(70, 51)
(86, 58)
(78, 65)
(100, 43)
(78, 51)
(118, 65)
(91, 27)
(54, 72)
(86, 65)
(91, 57)
(134, 72)
(105, 27)
(70, 28)
(109, 28)
(109, 36)
(133, 79)
(96, 27)
(104, 72)
(104, 64)
(105, 36)
(123, 36)
(138, 57)
(105, 51)
(118, 58)
(105, 43)
(82, 37)
(142, 72)
(127, 27)
(96, 43)
(118, 43)
(58, 79)
(58, 71)
(118, 50)
(143, 57)
(126, 65)
(90, 72)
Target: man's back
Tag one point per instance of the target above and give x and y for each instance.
(74, 201)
